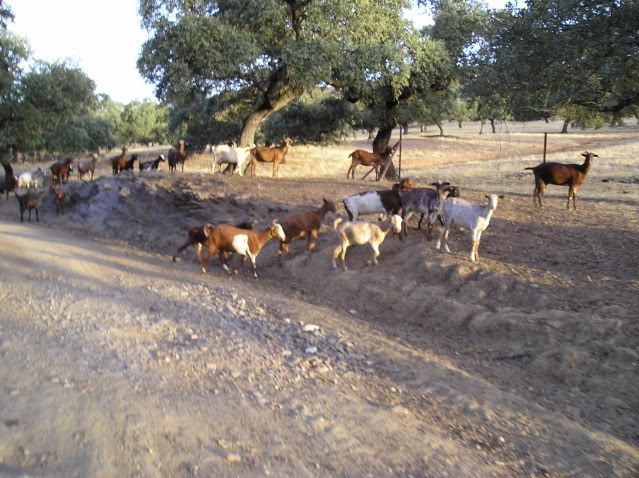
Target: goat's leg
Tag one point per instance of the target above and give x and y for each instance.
(184, 246)
(253, 265)
(239, 267)
(37, 218)
(474, 254)
(340, 251)
(283, 248)
(571, 192)
(343, 256)
(311, 244)
(211, 250)
(443, 237)
(375, 248)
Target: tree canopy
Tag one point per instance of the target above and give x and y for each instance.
(270, 52)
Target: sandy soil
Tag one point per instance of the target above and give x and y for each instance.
(118, 362)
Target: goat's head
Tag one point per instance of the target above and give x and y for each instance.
(588, 155)
(407, 183)
(396, 223)
(124, 149)
(329, 205)
(287, 142)
(493, 199)
(161, 157)
(277, 231)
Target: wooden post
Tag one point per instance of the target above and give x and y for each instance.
(545, 142)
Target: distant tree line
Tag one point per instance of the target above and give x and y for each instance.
(255, 70)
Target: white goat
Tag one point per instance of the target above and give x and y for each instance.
(235, 155)
(466, 214)
(357, 233)
(31, 179)
(87, 165)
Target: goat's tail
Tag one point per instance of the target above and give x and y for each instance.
(337, 222)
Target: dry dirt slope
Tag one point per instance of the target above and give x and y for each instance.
(551, 338)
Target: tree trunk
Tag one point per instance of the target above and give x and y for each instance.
(482, 126)
(564, 129)
(404, 126)
(371, 134)
(492, 124)
(441, 130)
(381, 141)
(277, 96)
(459, 122)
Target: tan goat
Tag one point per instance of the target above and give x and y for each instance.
(357, 233)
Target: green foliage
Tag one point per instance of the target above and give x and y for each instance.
(143, 122)
(319, 117)
(569, 52)
(270, 52)
(582, 118)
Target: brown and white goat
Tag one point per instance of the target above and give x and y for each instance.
(571, 175)
(177, 156)
(376, 160)
(304, 224)
(59, 195)
(263, 154)
(226, 238)
(356, 233)
(60, 171)
(197, 237)
(119, 162)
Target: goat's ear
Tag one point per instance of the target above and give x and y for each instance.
(501, 196)
(487, 196)
(595, 155)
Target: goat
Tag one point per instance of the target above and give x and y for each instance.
(197, 237)
(31, 179)
(234, 155)
(177, 156)
(571, 175)
(387, 201)
(29, 200)
(128, 165)
(59, 198)
(473, 216)
(377, 160)
(119, 162)
(10, 180)
(149, 165)
(60, 171)
(226, 238)
(87, 165)
(264, 154)
(356, 233)
(304, 224)
(426, 201)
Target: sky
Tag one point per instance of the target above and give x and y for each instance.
(102, 37)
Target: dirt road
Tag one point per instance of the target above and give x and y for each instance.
(120, 363)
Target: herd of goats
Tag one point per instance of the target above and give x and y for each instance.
(438, 204)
